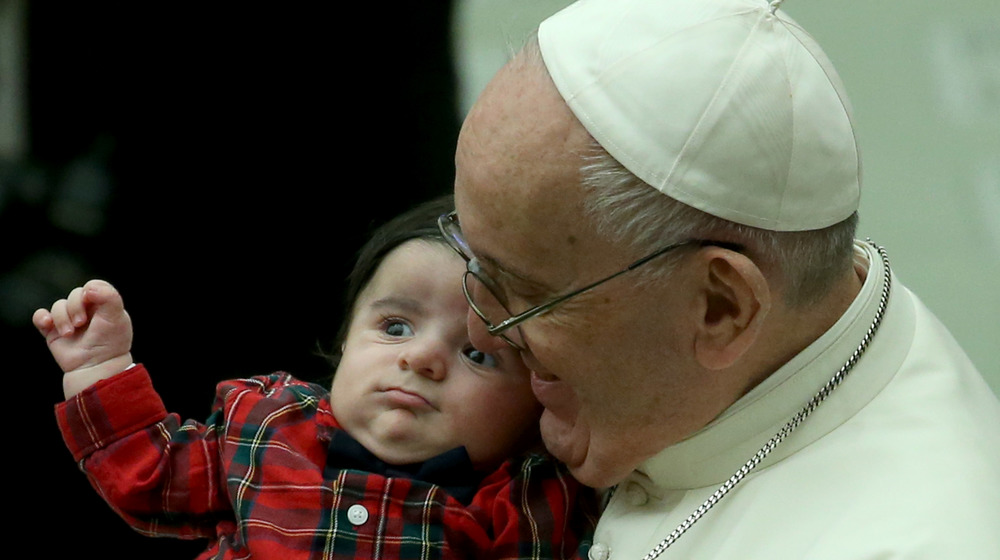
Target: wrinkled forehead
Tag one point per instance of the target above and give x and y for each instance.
(521, 149)
(518, 160)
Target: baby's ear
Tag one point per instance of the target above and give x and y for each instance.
(735, 299)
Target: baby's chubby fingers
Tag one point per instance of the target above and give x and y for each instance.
(63, 318)
(42, 319)
(54, 323)
(96, 297)
(89, 334)
(75, 309)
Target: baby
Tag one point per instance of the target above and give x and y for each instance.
(423, 448)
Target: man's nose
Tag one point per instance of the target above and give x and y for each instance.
(479, 337)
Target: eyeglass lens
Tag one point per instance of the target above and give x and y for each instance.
(485, 303)
(479, 290)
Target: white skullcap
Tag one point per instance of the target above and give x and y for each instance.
(720, 104)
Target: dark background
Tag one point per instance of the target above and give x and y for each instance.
(221, 166)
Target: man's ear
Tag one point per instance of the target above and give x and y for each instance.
(734, 300)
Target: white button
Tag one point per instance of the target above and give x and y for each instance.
(357, 514)
(636, 495)
(599, 551)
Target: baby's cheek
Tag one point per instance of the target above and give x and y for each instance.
(344, 408)
(502, 425)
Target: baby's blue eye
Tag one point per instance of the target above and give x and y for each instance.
(481, 358)
(397, 328)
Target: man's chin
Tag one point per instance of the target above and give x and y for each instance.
(570, 441)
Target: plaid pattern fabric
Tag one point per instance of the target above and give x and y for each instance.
(251, 478)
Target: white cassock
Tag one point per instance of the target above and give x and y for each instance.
(902, 460)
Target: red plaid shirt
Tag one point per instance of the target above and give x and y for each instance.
(252, 479)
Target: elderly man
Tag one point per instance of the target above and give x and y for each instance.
(657, 200)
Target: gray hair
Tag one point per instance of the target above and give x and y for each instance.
(628, 211)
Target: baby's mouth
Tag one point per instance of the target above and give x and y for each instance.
(407, 398)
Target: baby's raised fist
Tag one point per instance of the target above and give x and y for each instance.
(89, 334)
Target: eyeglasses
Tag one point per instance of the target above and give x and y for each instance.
(490, 306)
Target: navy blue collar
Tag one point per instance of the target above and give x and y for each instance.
(451, 470)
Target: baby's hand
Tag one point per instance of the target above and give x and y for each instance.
(89, 334)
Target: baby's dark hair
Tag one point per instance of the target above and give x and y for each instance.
(420, 222)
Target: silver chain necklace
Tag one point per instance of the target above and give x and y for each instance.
(791, 425)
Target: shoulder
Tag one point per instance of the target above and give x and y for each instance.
(535, 476)
(274, 386)
(534, 500)
(530, 466)
(265, 395)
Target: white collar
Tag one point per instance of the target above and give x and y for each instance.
(711, 455)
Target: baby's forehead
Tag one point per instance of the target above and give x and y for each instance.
(418, 261)
(417, 277)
